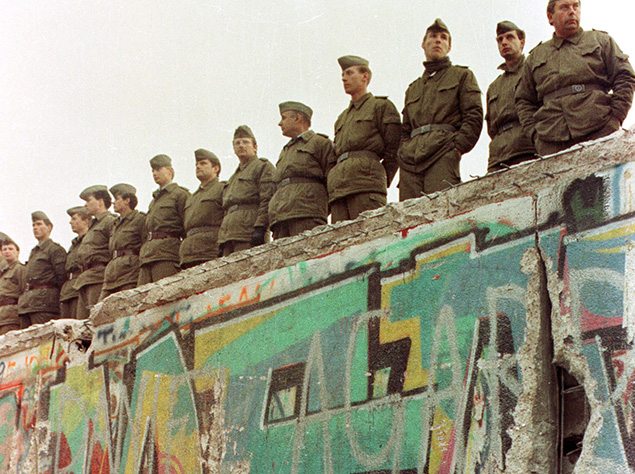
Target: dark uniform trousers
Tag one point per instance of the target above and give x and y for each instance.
(88, 296)
(154, 271)
(443, 173)
(232, 246)
(28, 319)
(105, 293)
(68, 308)
(549, 148)
(291, 227)
(351, 206)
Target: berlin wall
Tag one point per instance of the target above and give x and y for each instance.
(440, 335)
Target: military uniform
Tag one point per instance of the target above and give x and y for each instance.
(44, 275)
(159, 255)
(122, 271)
(68, 294)
(510, 145)
(11, 286)
(93, 255)
(301, 200)
(564, 95)
(366, 142)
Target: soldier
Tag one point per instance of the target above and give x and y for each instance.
(246, 197)
(44, 275)
(11, 285)
(366, 142)
(159, 255)
(578, 86)
(442, 119)
(3, 262)
(80, 223)
(301, 201)
(122, 271)
(509, 145)
(93, 254)
(203, 212)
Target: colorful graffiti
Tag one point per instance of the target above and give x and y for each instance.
(397, 355)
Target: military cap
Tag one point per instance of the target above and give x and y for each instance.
(505, 26)
(77, 210)
(40, 216)
(243, 131)
(160, 161)
(203, 154)
(92, 190)
(5, 238)
(349, 61)
(296, 107)
(123, 188)
(438, 25)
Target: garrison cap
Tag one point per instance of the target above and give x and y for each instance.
(4, 238)
(123, 188)
(78, 210)
(160, 161)
(91, 190)
(350, 61)
(203, 154)
(505, 26)
(438, 25)
(296, 107)
(243, 131)
(40, 216)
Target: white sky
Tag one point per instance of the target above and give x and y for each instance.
(90, 90)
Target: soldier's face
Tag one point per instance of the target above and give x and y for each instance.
(121, 205)
(10, 253)
(76, 223)
(289, 124)
(41, 230)
(510, 46)
(565, 18)
(162, 175)
(436, 45)
(354, 81)
(92, 205)
(244, 148)
(206, 171)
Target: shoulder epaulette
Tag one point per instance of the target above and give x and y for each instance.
(599, 31)
(532, 49)
(184, 189)
(264, 160)
(322, 135)
(462, 67)
(382, 97)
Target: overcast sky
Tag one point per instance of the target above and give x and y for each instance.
(91, 90)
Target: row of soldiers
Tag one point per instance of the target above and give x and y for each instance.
(576, 87)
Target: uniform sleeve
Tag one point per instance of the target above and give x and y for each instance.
(622, 79)
(390, 128)
(471, 114)
(326, 157)
(266, 188)
(58, 262)
(527, 103)
(181, 199)
(488, 118)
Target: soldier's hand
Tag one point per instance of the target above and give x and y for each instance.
(258, 236)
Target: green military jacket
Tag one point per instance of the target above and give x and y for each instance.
(203, 216)
(300, 179)
(370, 124)
(165, 216)
(246, 200)
(11, 286)
(589, 58)
(503, 126)
(124, 245)
(73, 269)
(93, 254)
(44, 275)
(448, 96)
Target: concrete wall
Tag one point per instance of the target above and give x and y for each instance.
(423, 337)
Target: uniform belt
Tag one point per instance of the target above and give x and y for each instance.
(508, 125)
(573, 89)
(200, 230)
(39, 286)
(123, 252)
(163, 235)
(90, 266)
(360, 153)
(299, 179)
(236, 207)
(6, 301)
(430, 127)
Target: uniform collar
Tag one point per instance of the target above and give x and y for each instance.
(242, 166)
(305, 137)
(164, 189)
(361, 101)
(43, 245)
(202, 187)
(519, 64)
(575, 39)
(128, 216)
(99, 217)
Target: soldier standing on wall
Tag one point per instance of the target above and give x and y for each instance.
(122, 271)
(510, 145)
(246, 197)
(80, 223)
(578, 86)
(366, 142)
(11, 285)
(203, 212)
(159, 255)
(44, 275)
(301, 201)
